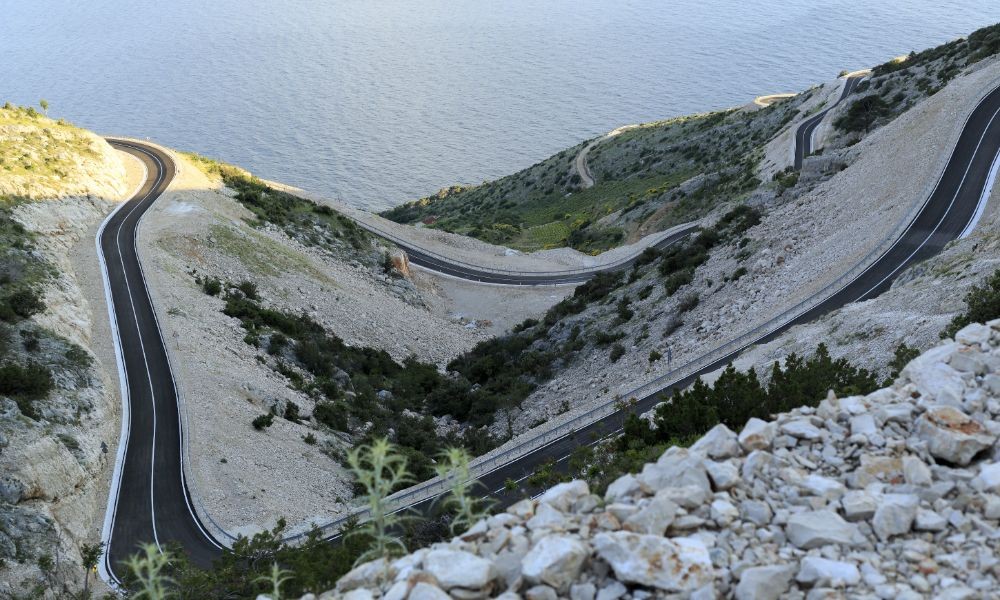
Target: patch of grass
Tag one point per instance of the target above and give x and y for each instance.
(544, 205)
(259, 253)
(41, 153)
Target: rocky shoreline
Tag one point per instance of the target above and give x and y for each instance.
(891, 495)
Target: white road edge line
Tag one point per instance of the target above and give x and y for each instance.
(166, 353)
(983, 199)
(142, 348)
(123, 389)
(958, 190)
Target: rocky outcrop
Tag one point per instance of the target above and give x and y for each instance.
(891, 495)
(54, 465)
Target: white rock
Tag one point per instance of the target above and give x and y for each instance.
(951, 435)
(937, 382)
(895, 514)
(818, 528)
(821, 486)
(895, 413)
(622, 488)
(361, 594)
(988, 479)
(562, 495)
(720, 442)
(673, 565)
(801, 429)
(457, 568)
(362, 575)
(724, 475)
(973, 334)
(757, 434)
(815, 569)
(547, 517)
(863, 424)
(677, 467)
(687, 496)
(916, 471)
(612, 591)
(991, 507)
(723, 512)
(426, 591)
(582, 591)
(654, 517)
(540, 592)
(764, 583)
(928, 520)
(555, 560)
(757, 512)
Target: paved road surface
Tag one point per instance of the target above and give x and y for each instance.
(804, 133)
(150, 499)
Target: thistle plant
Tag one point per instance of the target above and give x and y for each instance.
(147, 568)
(277, 578)
(454, 468)
(379, 469)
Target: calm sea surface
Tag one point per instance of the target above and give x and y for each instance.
(382, 101)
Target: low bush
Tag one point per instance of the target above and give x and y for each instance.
(862, 113)
(982, 304)
(617, 351)
(212, 286)
(25, 384)
(263, 421)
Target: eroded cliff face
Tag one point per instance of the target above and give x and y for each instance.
(57, 444)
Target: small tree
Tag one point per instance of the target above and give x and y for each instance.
(90, 554)
(379, 470)
(147, 568)
(45, 106)
(468, 509)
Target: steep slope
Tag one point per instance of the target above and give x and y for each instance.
(647, 178)
(59, 421)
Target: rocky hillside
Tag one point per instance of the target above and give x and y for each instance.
(895, 494)
(45, 158)
(647, 178)
(58, 405)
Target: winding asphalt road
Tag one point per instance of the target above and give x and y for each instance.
(804, 133)
(150, 500)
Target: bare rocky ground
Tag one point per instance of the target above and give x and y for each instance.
(891, 495)
(54, 470)
(809, 237)
(245, 478)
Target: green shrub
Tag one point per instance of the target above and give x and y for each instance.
(982, 304)
(687, 303)
(21, 304)
(212, 286)
(248, 289)
(901, 357)
(25, 384)
(331, 414)
(263, 421)
(617, 351)
(862, 113)
(654, 356)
